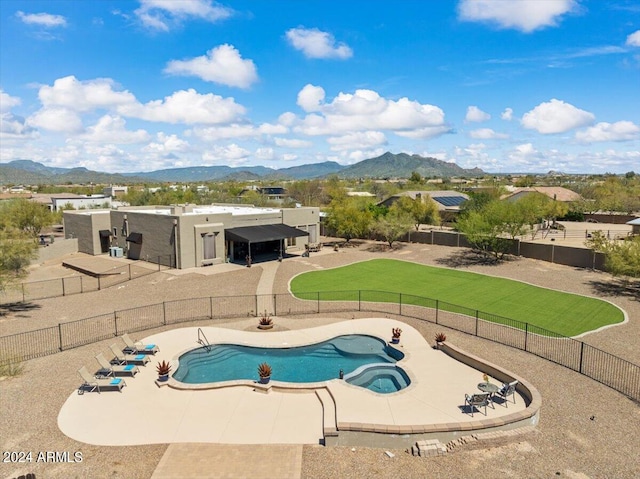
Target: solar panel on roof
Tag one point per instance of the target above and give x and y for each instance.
(450, 200)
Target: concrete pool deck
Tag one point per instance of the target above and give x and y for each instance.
(282, 413)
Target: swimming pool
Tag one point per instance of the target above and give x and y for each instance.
(382, 378)
(305, 364)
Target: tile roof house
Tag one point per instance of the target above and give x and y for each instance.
(557, 193)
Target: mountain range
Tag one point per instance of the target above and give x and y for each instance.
(388, 165)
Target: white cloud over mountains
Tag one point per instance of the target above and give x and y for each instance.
(487, 134)
(618, 131)
(523, 15)
(556, 116)
(314, 43)
(222, 64)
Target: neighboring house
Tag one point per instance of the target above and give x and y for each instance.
(272, 193)
(635, 226)
(115, 191)
(194, 235)
(360, 194)
(80, 202)
(447, 201)
(557, 193)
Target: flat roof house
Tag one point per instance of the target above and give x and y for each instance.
(187, 236)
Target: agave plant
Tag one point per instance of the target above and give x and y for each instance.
(163, 368)
(441, 338)
(265, 320)
(264, 370)
(396, 332)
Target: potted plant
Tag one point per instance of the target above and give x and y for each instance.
(163, 368)
(395, 335)
(440, 338)
(265, 321)
(264, 371)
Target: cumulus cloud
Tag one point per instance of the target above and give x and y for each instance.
(633, 40)
(220, 154)
(163, 14)
(292, 143)
(507, 114)
(556, 116)
(487, 134)
(264, 154)
(82, 96)
(15, 127)
(236, 130)
(222, 64)
(42, 19)
(166, 144)
(57, 119)
(314, 43)
(366, 110)
(618, 131)
(187, 106)
(112, 129)
(7, 102)
(310, 97)
(523, 15)
(357, 140)
(475, 114)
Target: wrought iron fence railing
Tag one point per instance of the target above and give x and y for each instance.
(601, 366)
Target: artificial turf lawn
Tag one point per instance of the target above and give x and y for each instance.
(563, 313)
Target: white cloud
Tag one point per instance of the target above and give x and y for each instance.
(222, 64)
(166, 144)
(82, 96)
(235, 130)
(314, 43)
(229, 153)
(310, 97)
(42, 19)
(265, 154)
(487, 134)
(187, 106)
(289, 157)
(292, 143)
(633, 40)
(475, 114)
(112, 129)
(61, 120)
(163, 14)
(507, 114)
(357, 140)
(556, 116)
(7, 102)
(15, 127)
(424, 133)
(366, 110)
(618, 131)
(523, 15)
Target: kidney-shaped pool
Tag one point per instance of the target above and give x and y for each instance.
(304, 364)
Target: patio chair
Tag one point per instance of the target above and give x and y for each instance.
(137, 347)
(91, 383)
(121, 358)
(477, 400)
(107, 369)
(507, 389)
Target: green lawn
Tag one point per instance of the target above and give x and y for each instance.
(563, 313)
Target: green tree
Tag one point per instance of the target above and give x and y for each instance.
(17, 248)
(393, 225)
(349, 219)
(28, 216)
(622, 258)
(421, 210)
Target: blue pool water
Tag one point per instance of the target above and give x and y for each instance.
(379, 378)
(306, 364)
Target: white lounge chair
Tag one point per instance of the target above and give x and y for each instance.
(477, 400)
(122, 358)
(91, 383)
(137, 347)
(107, 369)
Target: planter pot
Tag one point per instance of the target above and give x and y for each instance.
(163, 378)
(395, 340)
(265, 380)
(265, 326)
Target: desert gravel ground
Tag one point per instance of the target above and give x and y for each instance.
(586, 430)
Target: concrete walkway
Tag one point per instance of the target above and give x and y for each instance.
(265, 286)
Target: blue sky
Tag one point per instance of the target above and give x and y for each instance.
(503, 85)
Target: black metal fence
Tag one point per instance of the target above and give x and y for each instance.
(53, 288)
(615, 372)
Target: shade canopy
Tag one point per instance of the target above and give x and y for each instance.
(135, 238)
(257, 234)
(104, 233)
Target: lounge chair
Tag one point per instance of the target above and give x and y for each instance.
(477, 400)
(508, 389)
(92, 383)
(121, 358)
(137, 347)
(107, 369)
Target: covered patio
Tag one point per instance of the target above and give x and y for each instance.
(260, 243)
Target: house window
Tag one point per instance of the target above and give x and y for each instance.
(208, 246)
(291, 241)
(115, 232)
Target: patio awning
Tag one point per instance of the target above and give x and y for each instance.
(135, 238)
(257, 234)
(104, 233)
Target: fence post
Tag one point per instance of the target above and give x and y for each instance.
(359, 301)
(318, 293)
(275, 305)
(526, 335)
(256, 308)
(22, 292)
(98, 282)
(62, 280)
(60, 335)
(400, 313)
(210, 307)
(164, 313)
(476, 323)
(81, 287)
(437, 311)
(581, 355)
(115, 321)
(129, 271)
